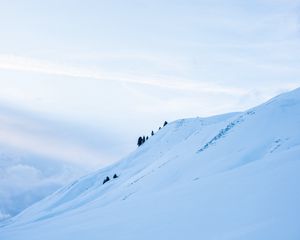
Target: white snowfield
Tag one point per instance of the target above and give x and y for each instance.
(234, 176)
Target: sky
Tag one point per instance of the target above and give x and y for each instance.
(118, 69)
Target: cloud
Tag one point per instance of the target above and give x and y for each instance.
(66, 141)
(52, 147)
(17, 63)
(23, 183)
(37, 156)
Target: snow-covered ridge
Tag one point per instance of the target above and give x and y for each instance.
(232, 176)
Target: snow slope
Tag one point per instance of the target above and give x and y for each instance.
(233, 176)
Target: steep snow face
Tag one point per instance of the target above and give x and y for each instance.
(232, 176)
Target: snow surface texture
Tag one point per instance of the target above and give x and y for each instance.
(232, 176)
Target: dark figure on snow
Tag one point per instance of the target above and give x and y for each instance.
(106, 180)
(165, 123)
(115, 176)
(140, 141)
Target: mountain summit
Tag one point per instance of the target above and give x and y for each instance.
(233, 176)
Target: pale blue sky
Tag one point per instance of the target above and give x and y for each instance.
(130, 65)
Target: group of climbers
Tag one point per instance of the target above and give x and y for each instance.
(107, 178)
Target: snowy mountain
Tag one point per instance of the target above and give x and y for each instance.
(232, 176)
